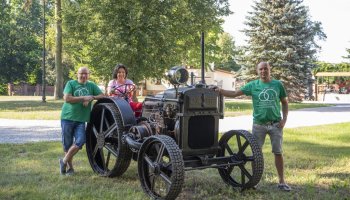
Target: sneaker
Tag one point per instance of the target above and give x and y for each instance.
(70, 172)
(284, 187)
(62, 166)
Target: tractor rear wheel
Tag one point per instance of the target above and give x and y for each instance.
(107, 154)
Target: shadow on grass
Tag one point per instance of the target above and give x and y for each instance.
(207, 184)
(340, 176)
(322, 151)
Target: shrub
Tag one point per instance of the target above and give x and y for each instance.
(3, 89)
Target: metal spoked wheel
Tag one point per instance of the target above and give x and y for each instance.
(246, 156)
(161, 167)
(108, 155)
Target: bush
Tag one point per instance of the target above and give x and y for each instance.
(3, 89)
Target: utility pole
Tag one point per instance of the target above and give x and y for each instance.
(44, 56)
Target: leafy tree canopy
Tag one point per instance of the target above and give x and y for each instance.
(330, 67)
(147, 36)
(226, 53)
(20, 50)
(348, 56)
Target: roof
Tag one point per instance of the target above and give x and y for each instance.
(332, 74)
(216, 70)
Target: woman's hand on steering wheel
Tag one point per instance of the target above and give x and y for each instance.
(124, 89)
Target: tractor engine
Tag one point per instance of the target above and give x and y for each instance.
(158, 118)
(190, 115)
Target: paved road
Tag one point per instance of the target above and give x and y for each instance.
(22, 131)
(298, 118)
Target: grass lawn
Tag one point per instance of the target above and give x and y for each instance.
(317, 166)
(31, 107)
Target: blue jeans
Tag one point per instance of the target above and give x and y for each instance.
(72, 131)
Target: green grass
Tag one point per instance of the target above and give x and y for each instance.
(317, 166)
(31, 107)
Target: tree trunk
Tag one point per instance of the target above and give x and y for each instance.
(58, 57)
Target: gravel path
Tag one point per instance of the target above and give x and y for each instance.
(22, 131)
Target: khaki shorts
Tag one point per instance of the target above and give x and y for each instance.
(275, 133)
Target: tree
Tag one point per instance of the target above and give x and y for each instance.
(19, 41)
(282, 33)
(348, 56)
(58, 55)
(227, 53)
(55, 74)
(330, 67)
(138, 34)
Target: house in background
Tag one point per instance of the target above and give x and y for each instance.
(153, 86)
(221, 78)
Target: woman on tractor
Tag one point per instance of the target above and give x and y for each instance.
(122, 87)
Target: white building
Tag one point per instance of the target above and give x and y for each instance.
(221, 78)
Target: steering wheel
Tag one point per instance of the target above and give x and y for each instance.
(125, 89)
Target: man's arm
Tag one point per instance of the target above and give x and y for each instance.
(284, 102)
(97, 97)
(71, 99)
(230, 93)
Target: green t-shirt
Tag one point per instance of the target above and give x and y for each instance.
(266, 99)
(76, 111)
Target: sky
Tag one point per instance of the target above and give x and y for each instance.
(333, 15)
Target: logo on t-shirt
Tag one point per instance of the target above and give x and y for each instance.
(268, 94)
(82, 91)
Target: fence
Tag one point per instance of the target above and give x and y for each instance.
(23, 89)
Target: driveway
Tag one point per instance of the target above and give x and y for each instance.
(22, 131)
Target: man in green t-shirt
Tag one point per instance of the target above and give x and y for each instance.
(267, 94)
(78, 95)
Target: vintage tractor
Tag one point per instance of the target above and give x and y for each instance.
(177, 131)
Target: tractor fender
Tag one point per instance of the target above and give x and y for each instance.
(124, 108)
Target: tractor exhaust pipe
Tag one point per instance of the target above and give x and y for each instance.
(202, 60)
